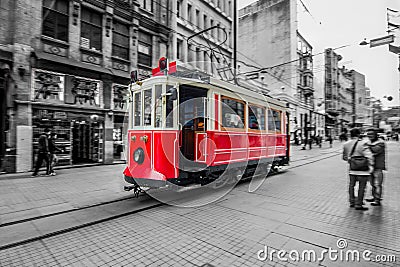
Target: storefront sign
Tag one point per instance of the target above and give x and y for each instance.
(83, 91)
(47, 86)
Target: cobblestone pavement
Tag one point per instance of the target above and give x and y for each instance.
(303, 208)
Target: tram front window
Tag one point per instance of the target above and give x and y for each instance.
(158, 107)
(170, 108)
(138, 109)
(147, 107)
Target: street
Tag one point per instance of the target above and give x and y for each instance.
(303, 208)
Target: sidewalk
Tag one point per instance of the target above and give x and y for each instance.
(23, 196)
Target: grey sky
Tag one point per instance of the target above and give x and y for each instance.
(334, 23)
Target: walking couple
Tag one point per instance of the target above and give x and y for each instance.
(367, 160)
(46, 152)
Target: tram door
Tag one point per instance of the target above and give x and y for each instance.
(192, 112)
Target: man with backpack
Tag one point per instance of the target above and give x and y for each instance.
(357, 153)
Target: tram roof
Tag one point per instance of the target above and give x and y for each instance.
(215, 82)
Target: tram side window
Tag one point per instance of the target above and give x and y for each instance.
(158, 107)
(138, 109)
(274, 120)
(147, 107)
(232, 113)
(169, 109)
(256, 117)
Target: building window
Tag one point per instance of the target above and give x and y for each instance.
(147, 5)
(178, 8)
(198, 63)
(190, 53)
(205, 61)
(232, 113)
(145, 49)
(218, 32)
(189, 12)
(198, 18)
(212, 25)
(120, 42)
(205, 21)
(91, 29)
(179, 54)
(55, 19)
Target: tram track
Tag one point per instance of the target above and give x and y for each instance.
(47, 226)
(62, 212)
(44, 225)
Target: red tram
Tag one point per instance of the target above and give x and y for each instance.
(186, 130)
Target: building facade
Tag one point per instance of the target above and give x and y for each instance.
(269, 39)
(362, 106)
(69, 63)
(347, 99)
(332, 98)
(195, 52)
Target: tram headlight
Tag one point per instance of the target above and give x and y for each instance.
(138, 155)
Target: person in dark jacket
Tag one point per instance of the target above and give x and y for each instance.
(378, 150)
(52, 154)
(43, 152)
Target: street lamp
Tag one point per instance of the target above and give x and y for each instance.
(364, 42)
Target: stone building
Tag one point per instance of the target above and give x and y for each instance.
(269, 39)
(347, 99)
(65, 65)
(192, 17)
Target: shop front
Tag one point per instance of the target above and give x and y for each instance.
(119, 105)
(72, 108)
(79, 137)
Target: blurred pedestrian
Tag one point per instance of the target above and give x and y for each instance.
(378, 150)
(356, 151)
(52, 155)
(319, 140)
(330, 140)
(43, 152)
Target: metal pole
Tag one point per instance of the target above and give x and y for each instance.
(234, 39)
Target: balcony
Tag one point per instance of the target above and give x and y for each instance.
(307, 90)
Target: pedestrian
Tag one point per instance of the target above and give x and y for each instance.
(52, 155)
(378, 150)
(320, 141)
(43, 152)
(310, 141)
(356, 151)
(330, 140)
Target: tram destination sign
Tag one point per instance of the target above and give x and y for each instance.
(381, 41)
